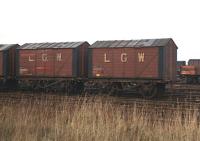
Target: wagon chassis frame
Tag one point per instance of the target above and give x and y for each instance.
(148, 88)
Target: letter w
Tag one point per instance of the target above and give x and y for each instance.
(140, 57)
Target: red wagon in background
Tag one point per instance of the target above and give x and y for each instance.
(191, 72)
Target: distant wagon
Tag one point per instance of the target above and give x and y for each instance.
(7, 64)
(196, 64)
(179, 64)
(145, 64)
(191, 72)
(41, 65)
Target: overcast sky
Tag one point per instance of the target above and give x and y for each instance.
(24, 21)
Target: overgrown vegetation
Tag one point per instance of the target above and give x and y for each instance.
(93, 119)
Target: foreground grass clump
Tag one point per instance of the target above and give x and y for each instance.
(93, 119)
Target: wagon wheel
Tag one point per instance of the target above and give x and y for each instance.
(96, 89)
(70, 88)
(114, 90)
(106, 89)
(87, 88)
(79, 87)
(148, 91)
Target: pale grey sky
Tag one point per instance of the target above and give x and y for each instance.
(24, 21)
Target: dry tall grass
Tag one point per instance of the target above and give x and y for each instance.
(91, 120)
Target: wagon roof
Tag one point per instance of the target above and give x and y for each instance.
(6, 46)
(193, 60)
(179, 63)
(131, 43)
(51, 45)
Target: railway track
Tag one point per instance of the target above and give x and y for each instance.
(177, 96)
(183, 92)
(120, 100)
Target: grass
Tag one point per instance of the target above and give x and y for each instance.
(93, 119)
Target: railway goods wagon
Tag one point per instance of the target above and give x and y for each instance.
(7, 65)
(51, 66)
(192, 71)
(141, 65)
(179, 64)
(196, 64)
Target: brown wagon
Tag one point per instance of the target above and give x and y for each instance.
(191, 72)
(145, 63)
(178, 66)
(42, 65)
(196, 64)
(7, 64)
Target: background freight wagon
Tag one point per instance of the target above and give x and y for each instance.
(7, 64)
(191, 72)
(196, 64)
(179, 64)
(51, 65)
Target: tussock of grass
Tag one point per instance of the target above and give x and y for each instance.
(93, 119)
